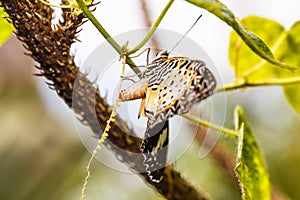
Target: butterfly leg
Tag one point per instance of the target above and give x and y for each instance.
(129, 77)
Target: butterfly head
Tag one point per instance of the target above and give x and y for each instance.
(161, 55)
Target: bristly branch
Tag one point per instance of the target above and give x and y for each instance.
(51, 49)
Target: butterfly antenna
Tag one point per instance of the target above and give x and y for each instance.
(185, 34)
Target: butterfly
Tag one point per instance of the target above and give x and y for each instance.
(169, 86)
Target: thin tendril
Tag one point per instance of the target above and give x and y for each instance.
(104, 135)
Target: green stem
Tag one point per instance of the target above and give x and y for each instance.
(211, 126)
(96, 23)
(152, 29)
(105, 34)
(259, 83)
(234, 86)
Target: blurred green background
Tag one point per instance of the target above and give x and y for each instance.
(42, 157)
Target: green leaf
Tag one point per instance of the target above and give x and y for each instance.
(251, 168)
(286, 46)
(291, 54)
(240, 55)
(256, 44)
(6, 29)
(292, 94)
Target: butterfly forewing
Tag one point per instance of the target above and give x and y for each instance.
(176, 80)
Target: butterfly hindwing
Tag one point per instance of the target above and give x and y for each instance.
(155, 148)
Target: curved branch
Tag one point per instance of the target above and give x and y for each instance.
(51, 49)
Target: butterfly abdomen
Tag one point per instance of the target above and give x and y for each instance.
(135, 91)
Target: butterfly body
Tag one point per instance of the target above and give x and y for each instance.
(168, 86)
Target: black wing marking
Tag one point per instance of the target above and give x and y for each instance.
(155, 149)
